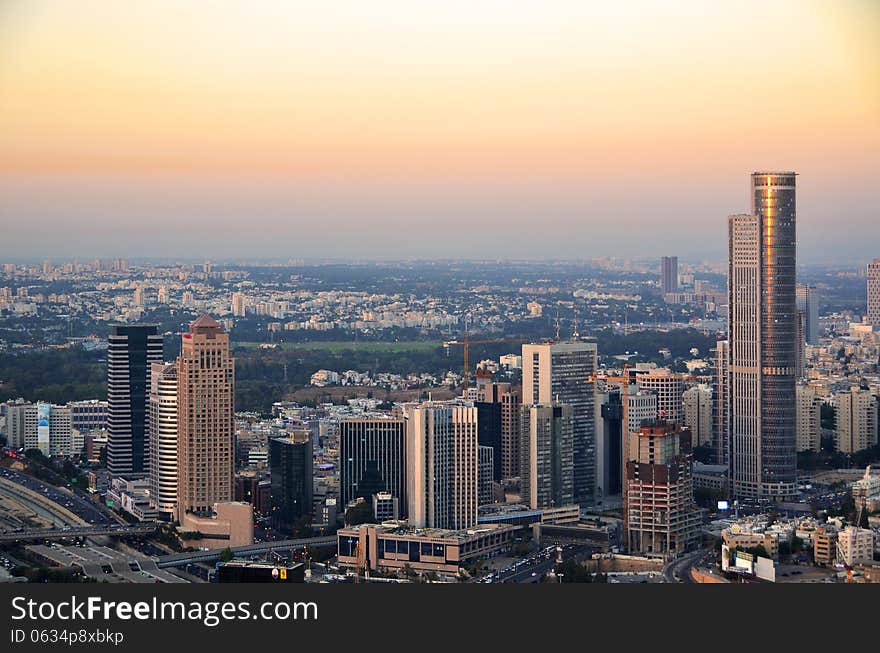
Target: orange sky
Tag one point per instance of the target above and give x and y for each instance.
(426, 92)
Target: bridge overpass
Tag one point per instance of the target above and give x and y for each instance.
(146, 528)
(181, 559)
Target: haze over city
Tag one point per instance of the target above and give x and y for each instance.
(408, 129)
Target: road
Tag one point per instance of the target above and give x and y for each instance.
(538, 564)
(679, 569)
(181, 559)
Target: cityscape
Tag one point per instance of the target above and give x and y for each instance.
(609, 421)
(477, 294)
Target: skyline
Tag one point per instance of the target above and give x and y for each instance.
(450, 132)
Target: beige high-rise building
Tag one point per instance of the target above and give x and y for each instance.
(697, 414)
(855, 420)
(442, 465)
(163, 437)
(809, 433)
(669, 388)
(874, 292)
(205, 408)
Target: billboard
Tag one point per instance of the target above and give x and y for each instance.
(44, 413)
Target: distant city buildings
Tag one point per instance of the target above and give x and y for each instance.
(669, 274)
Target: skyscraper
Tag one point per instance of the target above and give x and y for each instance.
(669, 274)
(163, 437)
(563, 372)
(442, 465)
(131, 350)
(762, 330)
(547, 476)
(205, 408)
(290, 466)
(808, 302)
(372, 447)
(874, 292)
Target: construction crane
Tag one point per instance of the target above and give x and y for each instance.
(466, 342)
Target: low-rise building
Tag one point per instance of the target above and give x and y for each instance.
(393, 546)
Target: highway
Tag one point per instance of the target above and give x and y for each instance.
(180, 559)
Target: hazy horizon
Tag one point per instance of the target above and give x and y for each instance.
(401, 130)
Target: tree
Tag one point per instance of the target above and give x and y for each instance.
(226, 555)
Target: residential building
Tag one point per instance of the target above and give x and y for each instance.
(855, 420)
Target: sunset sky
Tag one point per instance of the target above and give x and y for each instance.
(402, 129)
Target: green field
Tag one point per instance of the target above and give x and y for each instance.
(335, 346)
